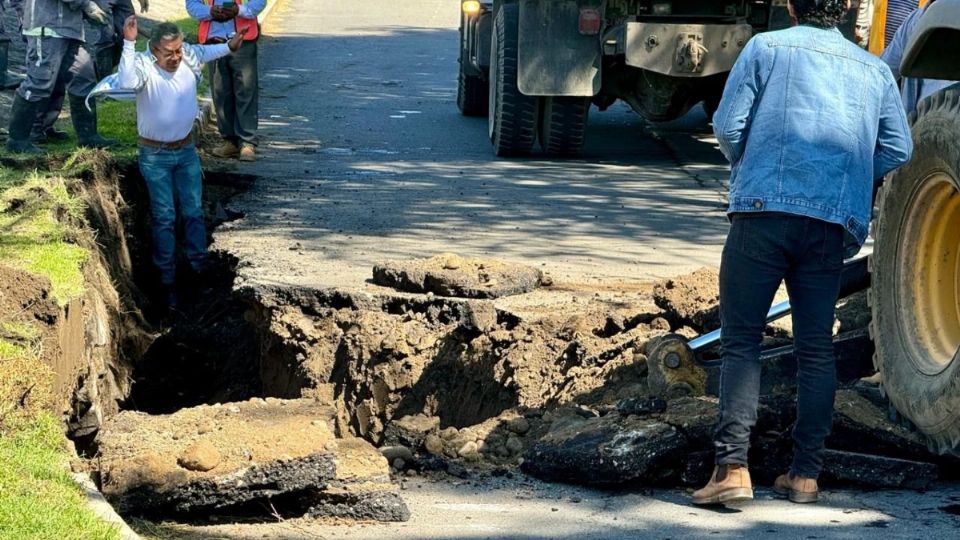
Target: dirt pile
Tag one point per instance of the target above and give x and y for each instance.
(691, 300)
(221, 458)
(389, 358)
(454, 275)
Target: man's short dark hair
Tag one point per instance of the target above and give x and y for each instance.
(163, 32)
(820, 13)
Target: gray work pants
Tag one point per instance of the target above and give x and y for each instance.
(55, 64)
(109, 42)
(236, 96)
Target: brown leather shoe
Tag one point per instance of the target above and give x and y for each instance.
(729, 483)
(797, 488)
(226, 150)
(248, 152)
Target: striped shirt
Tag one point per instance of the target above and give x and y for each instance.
(897, 12)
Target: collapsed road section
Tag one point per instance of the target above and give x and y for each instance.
(267, 401)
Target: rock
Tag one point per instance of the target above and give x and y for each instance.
(377, 506)
(201, 456)
(264, 451)
(433, 444)
(697, 468)
(468, 449)
(396, 452)
(641, 406)
(452, 275)
(410, 431)
(449, 434)
(457, 470)
(695, 417)
(513, 445)
(479, 316)
(608, 450)
(398, 464)
(878, 471)
(518, 425)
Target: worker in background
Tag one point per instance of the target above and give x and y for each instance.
(109, 42)
(56, 60)
(165, 82)
(888, 15)
(861, 29)
(808, 121)
(234, 80)
(912, 90)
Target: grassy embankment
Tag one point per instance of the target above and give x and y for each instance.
(39, 217)
(40, 220)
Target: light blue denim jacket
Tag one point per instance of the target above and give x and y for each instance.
(809, 121)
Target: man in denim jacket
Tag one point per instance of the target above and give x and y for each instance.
(808, 121)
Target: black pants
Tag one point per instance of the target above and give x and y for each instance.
(761, 251)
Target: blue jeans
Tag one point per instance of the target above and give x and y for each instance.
(762, 250)
(173, 181)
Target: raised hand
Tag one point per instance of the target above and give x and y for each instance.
(130, 28)
(237, 40)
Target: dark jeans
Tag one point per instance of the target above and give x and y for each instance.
(762, 250)
(236, 94)
(173, 181)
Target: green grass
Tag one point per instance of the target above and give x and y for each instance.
(38, 499)
(38, 221)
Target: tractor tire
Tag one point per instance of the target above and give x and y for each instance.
(513, 116)
(563, 125)
(915, 294)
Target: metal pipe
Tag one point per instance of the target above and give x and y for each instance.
(706, 341)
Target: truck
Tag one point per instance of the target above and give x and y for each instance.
(534, 67)
(915, 281)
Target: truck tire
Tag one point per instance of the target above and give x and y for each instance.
(513, 116)
(472, 99)
(563, 125)
(915, 294)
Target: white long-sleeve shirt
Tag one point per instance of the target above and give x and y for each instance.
(166, 102)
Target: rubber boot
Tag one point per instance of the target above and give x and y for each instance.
(22, 115)
(85, 124)
(43, 129)
(6, 82)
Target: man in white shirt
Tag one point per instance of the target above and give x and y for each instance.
(165, 82)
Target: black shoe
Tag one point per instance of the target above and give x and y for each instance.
(85, 124)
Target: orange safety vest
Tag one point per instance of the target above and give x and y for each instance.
(252, 26)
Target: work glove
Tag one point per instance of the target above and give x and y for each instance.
(95, 14)
(144, 6)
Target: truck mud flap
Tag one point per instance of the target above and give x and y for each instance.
(685, 50)
(554, 58)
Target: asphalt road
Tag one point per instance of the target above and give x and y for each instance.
(365, 157)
